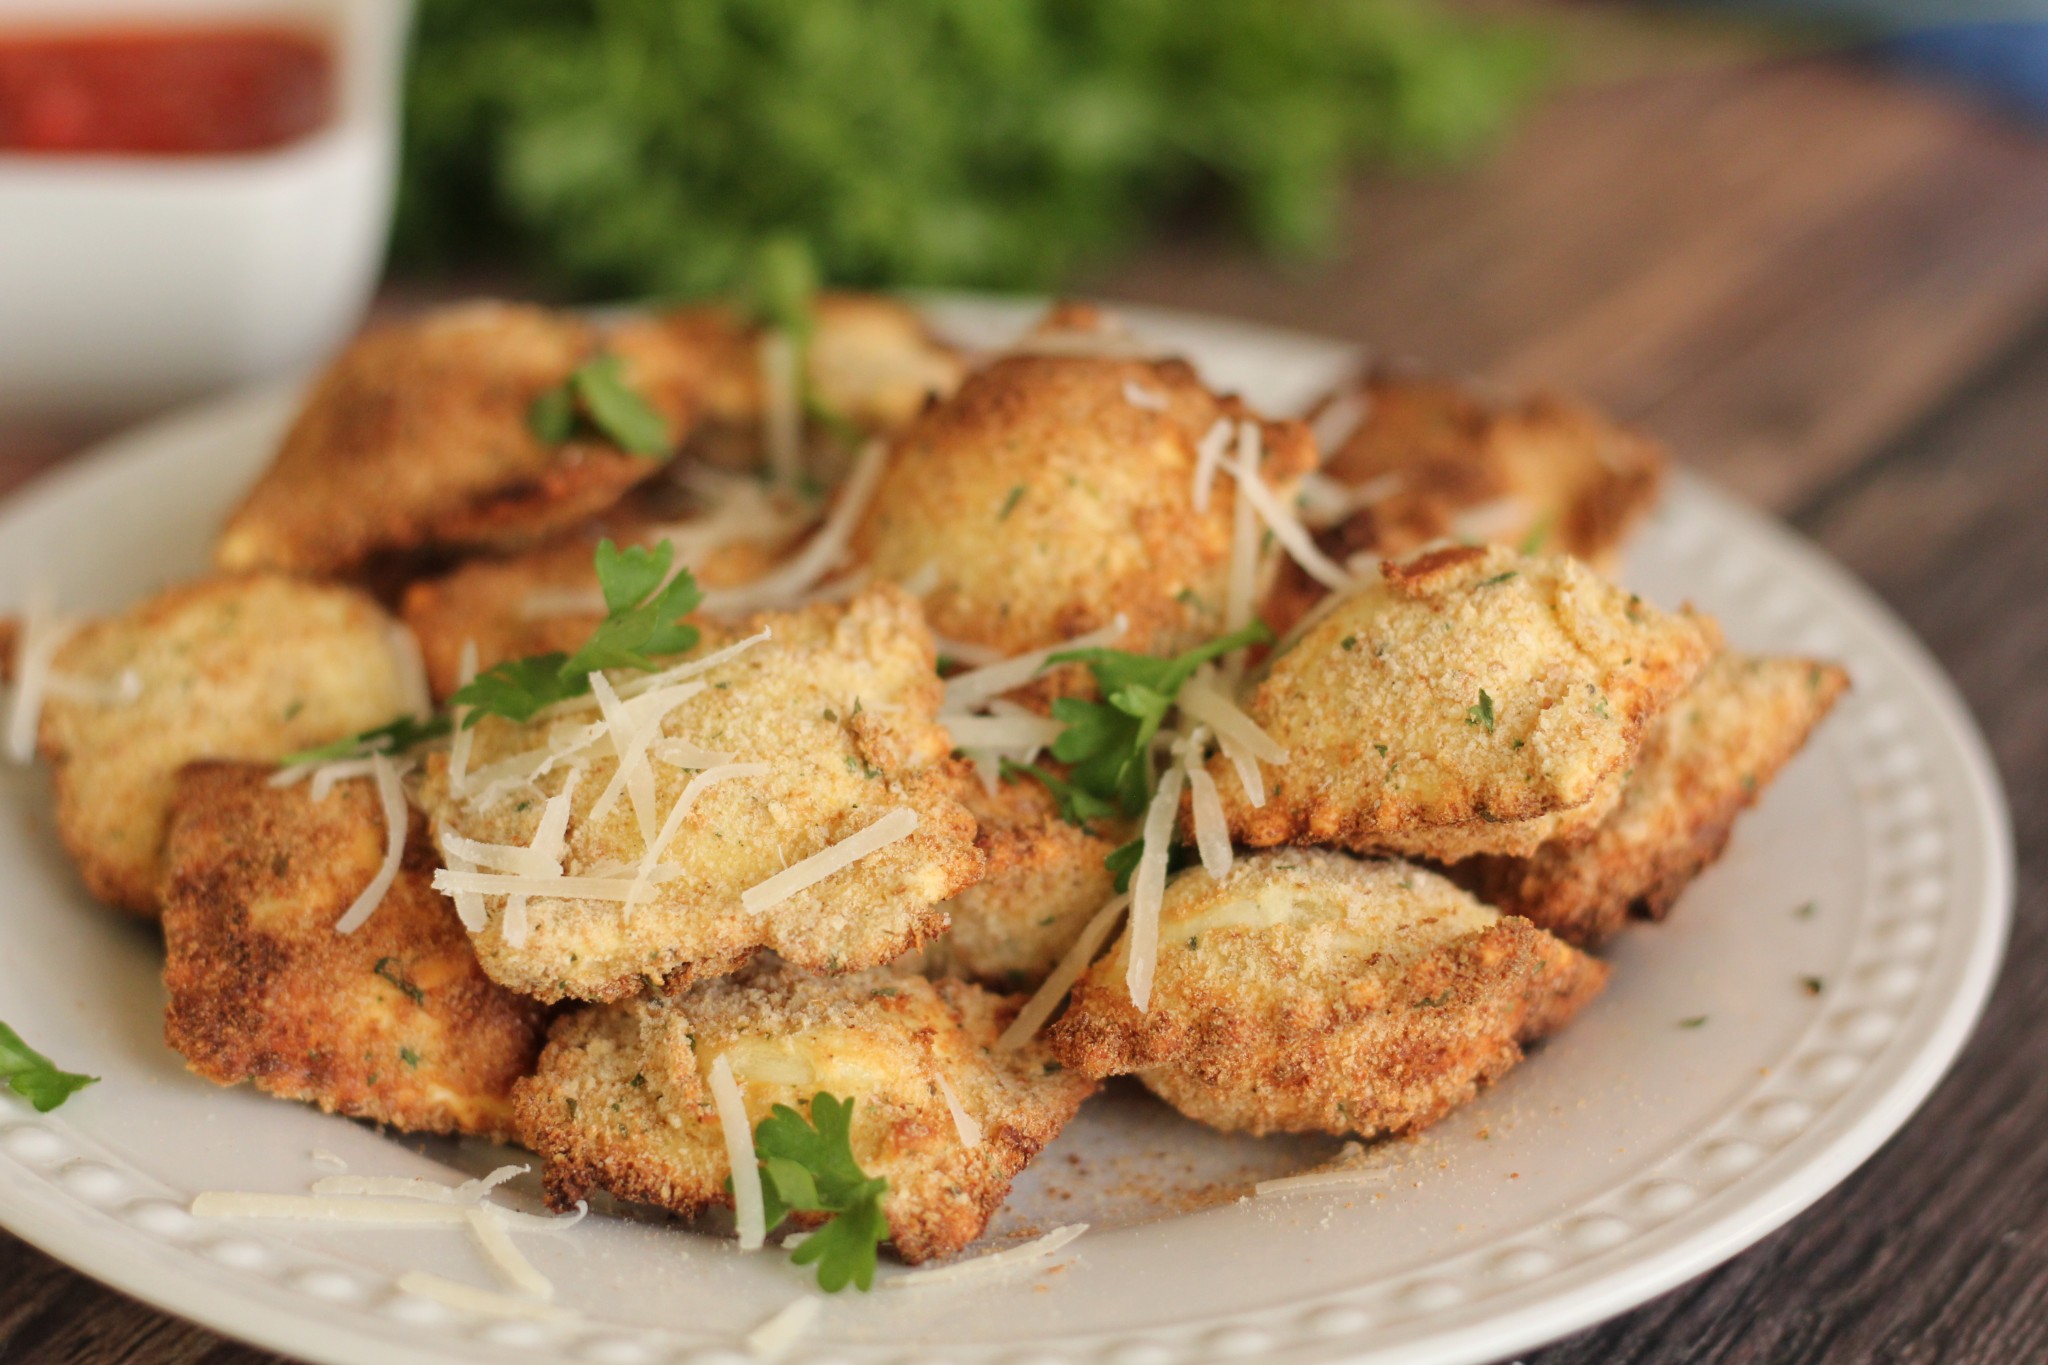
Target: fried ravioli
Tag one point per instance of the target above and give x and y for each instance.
(839, 706)
(1427, 459)
(872, 362)
(395, 1022)
(252, 667)
(1470, 695)
(1708, 758)
(621, 1101)
(1045, 878)
(1311, 992)
(417, 436)
(1053, 493)
(531, 603)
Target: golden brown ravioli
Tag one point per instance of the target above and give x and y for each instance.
(395, 1022)
(1707, 758)
(1311, 992)
(621, 1101)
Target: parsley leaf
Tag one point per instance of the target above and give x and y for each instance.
(1482, 714)
(1107, 744)
(597, 398)
(35, 1077)
(1077, 807)
(809, 1167)
(643, 620)
(395, 737)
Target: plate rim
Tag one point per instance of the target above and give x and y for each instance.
(81, 1244)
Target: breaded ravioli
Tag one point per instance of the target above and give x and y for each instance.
(837, 707)
(1053, 493)
(249, 667)
(1428, 459)
(1311, 992)
(418, 436)
(872, 362)
(534, 602)
(1454, 705)
(395, 1022)
(1045, 878)
(621, 1101)
(1709, 756)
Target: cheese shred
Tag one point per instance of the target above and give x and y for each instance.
(994, 1263)
(1148, 887)
(964, 1123)
(508, 1262)
(390, 796)
(1040, 1006)
(484, 1303)
(898, 824)
(783, 1328)
(749, 1210)
(42, 635)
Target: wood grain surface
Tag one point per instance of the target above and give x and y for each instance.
(1830, 293)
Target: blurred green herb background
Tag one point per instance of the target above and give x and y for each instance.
(615, 147)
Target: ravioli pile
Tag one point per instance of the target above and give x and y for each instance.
(1037, 718)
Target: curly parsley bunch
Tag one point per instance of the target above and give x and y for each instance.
(649, 145)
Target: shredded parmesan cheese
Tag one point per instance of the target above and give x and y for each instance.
(782, 414)
(1212, 832)
(1002, 732)
(965, 652)
(1286, 527)
(1040, 1006)
(964, 1123)
(1148, 887)
(124, 690)
(1208, 455)
(749, 1210)
(801, 876)
(1497, 519)
(1138, 396)
(821, 553)
(1343, 1172)
(784, 1327)
(995, 1262)
(1338, 422)
(465, 734)
(391, 796)
(484, 1303)
(417, 1187)
(42, 635)
(510, 1265)
(322, 1157)
(1243, 580)
(326, 775)
(643, 876)
(412, 670)
(1326, 501)
(967, 691)
(691, 669)
(450, 882)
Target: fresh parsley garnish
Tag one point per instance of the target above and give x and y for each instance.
(645, 609)
(1697, 1021)
(1077, 807)
(809, 1167)
(392, 970)
(1812, 985)
(1539, 535)
(396, 737)
(596, 398)
(1107, 744)
(1482, 714)
(35, 1077)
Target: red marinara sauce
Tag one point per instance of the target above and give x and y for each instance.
(166, 92)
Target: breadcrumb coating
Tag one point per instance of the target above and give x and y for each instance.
(1045, 878)
(1441, 460)
(1047, 502)
(621, 1103)
(1311, 992)
(1709, 756)
(417, 436)
(394, 1023)
(872, 362)
(1473, 687)
(840, 704)
(247, 667)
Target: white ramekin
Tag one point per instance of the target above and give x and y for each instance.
(132, 281)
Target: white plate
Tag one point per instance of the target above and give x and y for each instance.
(1628, 1155)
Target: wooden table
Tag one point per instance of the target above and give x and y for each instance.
(1830, 293)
